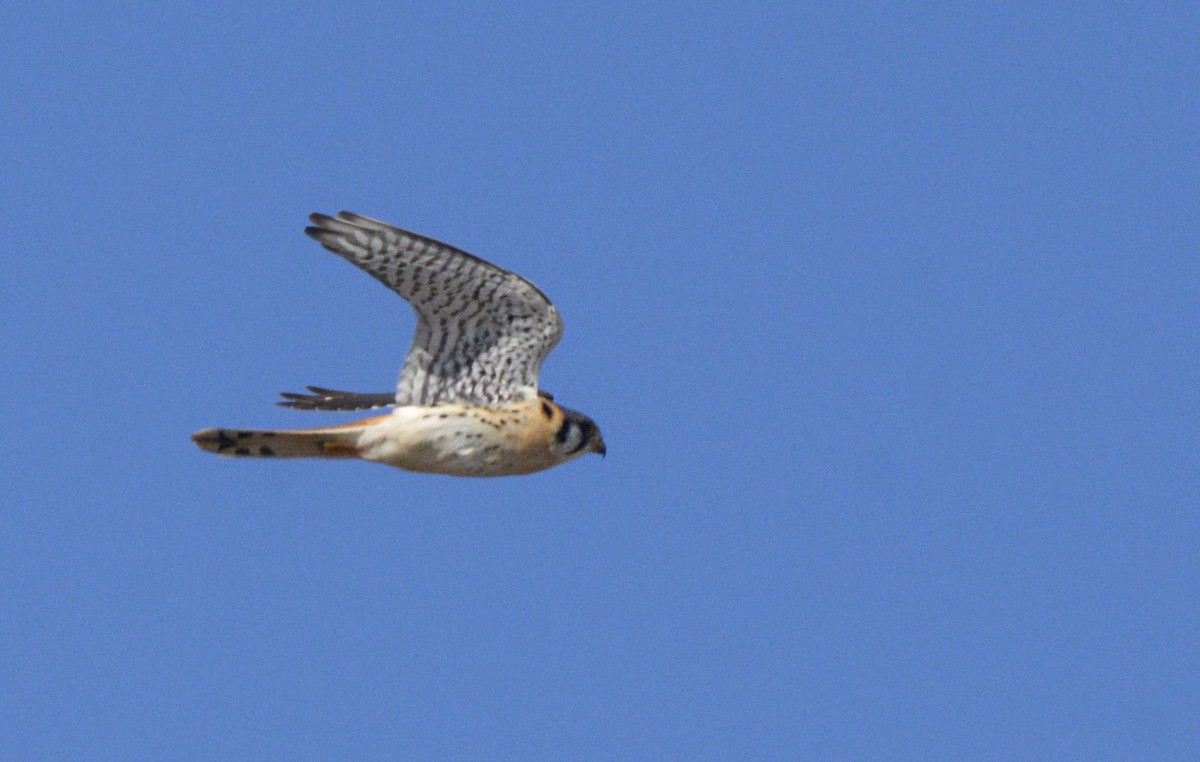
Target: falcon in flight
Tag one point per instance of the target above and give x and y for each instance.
(468, 402)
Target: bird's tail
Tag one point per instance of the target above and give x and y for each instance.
(332, 442)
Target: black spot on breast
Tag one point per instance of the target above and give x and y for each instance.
(267, 451)
(241, 451)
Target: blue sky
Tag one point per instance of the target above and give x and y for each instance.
(888, 314)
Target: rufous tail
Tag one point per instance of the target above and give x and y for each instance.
(335, 442)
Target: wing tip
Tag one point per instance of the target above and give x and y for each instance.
(336, 400)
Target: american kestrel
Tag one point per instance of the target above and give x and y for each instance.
(467, 403)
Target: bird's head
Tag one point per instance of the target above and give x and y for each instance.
(578, 435)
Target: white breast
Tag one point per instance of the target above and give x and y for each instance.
(444, 439)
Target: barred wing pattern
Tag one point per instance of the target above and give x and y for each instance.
(482, 331)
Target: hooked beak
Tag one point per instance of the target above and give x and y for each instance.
(598, 446)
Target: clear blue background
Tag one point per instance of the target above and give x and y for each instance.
(888, 314)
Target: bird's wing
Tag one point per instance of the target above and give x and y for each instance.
(482, 331)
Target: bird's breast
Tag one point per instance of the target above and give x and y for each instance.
(461, 440)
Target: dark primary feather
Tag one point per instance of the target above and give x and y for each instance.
(335, 400)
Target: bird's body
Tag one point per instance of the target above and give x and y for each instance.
(468, 402)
